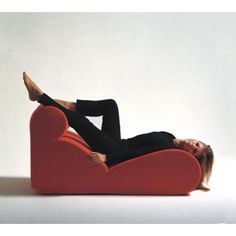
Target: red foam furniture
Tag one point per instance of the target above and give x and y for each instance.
(59, 164)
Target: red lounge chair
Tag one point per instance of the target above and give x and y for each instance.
(59, 164)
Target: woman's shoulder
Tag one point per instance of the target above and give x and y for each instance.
(164, 134)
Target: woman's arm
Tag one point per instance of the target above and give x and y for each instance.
(120, 156)
(123, 155)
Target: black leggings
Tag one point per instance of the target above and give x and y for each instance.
(106, 140)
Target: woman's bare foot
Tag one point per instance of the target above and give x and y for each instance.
(33, 90)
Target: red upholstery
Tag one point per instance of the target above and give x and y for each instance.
(59, 164)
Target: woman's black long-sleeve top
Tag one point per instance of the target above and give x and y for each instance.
(140, 145)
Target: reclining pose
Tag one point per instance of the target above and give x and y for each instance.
(107, 142)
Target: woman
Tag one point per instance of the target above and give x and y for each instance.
(107, 142)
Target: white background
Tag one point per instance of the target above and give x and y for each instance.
(167, 71)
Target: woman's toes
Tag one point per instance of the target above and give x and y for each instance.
(33, 90)
(25, 76)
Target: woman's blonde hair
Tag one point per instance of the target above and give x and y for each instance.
(206, 162)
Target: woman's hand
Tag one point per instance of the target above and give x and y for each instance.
(97, 158)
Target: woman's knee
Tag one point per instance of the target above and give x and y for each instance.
(111, 104)
(112, 101)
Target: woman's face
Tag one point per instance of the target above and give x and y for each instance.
(194, 146)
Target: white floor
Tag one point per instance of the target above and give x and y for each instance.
(20, 204)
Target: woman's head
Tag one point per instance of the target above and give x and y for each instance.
(203, 154)
(206, 162)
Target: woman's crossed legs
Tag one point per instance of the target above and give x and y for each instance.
(105, 140)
